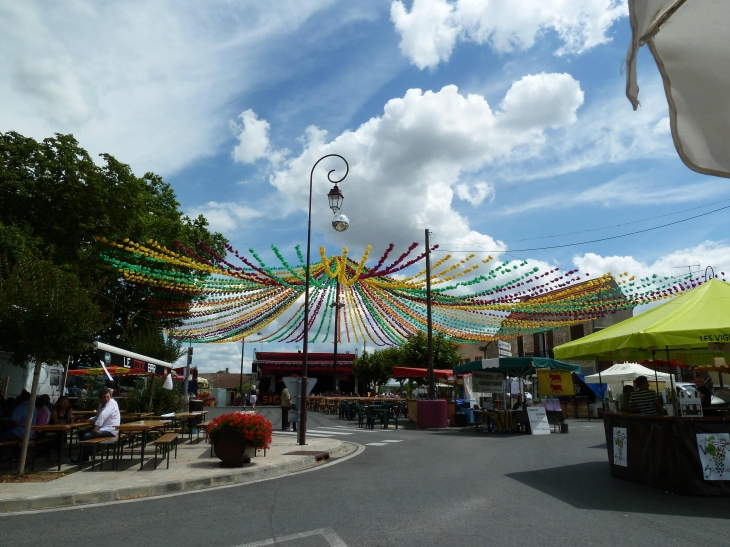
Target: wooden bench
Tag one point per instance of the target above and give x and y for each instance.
(33, 445)
(103, 442)
(203, 426)
(11, 445)
(163, 445)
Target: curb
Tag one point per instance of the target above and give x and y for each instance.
(105, 496)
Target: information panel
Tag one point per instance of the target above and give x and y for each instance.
(538, 420)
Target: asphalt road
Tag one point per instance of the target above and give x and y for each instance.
(431, 488)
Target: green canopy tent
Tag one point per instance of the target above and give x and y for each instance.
(516, 366)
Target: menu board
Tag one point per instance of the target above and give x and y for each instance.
(538, 420)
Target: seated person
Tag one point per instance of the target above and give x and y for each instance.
(643, 400)
(625, 396)
(519, 405)
(107, 416)
(62, 413)
(18, 421)
(43, 409)
(704, 391)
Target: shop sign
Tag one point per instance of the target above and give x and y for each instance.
(554, 383)
(620, 446)
(714, 451)
(504, 348)
(267, 399)
(538, 420)
(487, 382)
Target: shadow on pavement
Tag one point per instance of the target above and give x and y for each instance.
(591, 486)
(603, 446)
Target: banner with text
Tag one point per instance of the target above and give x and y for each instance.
(487, 382)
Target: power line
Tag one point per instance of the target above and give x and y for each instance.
(616, 225)
(598, 240)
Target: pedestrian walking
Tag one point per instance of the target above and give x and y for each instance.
(285, 407)
(253, 399)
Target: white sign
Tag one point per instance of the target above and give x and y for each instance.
(487, 382)
(714, 451)
(504, 348)
(538, 420)
(620, 446)
(689, 406)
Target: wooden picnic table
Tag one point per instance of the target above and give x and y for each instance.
(84, 412)
(142, 426)
(64, 429)
(187, 418)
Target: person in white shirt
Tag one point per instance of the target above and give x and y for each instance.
(107, 416)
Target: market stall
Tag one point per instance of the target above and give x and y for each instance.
(683, 453)
(433, 413)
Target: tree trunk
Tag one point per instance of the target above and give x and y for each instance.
(29, 419)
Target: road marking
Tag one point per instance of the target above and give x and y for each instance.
(309, 434)
(329, 535)
(375, 444)
(394, 441)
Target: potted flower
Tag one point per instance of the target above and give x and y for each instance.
(236, 436)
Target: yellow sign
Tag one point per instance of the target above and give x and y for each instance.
(554, 383)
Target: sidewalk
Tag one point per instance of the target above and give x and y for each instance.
(193, 469)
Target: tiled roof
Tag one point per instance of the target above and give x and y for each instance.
(225, 380)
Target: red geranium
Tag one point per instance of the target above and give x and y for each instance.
(255, 428)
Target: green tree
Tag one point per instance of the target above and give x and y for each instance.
(375, 368)
(56, 200)
(415, 352)
(45, 316)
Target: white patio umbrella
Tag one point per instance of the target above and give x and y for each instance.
(690, 42)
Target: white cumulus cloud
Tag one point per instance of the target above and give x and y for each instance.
(405, 164)
(226, 217)
(482, 191)
(707, 253)
(430, 30)
(253, 140)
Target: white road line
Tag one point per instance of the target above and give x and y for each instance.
(329, 535)
(322, 430)
(309, 434)
(375, 444)
(394, 441)
(358, 429)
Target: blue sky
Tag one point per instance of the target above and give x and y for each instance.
(499, 125)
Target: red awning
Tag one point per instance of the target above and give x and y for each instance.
(411, 372)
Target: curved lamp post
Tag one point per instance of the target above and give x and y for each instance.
(339, 223)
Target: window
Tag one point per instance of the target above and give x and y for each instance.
(55, 377)
(520, 347)
(577, 331)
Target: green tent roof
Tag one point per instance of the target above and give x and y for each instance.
(689, 322)
(516, 366)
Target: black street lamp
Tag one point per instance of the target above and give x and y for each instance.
(339, 223)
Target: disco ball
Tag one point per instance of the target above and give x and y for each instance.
(340, 222)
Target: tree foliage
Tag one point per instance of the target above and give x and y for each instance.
(415, 352)
(45, 314)
(377, 367)
(56, 200)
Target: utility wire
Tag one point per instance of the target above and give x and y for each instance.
(597, 240)
(614, 225)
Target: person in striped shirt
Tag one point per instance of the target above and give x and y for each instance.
(643, 400)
